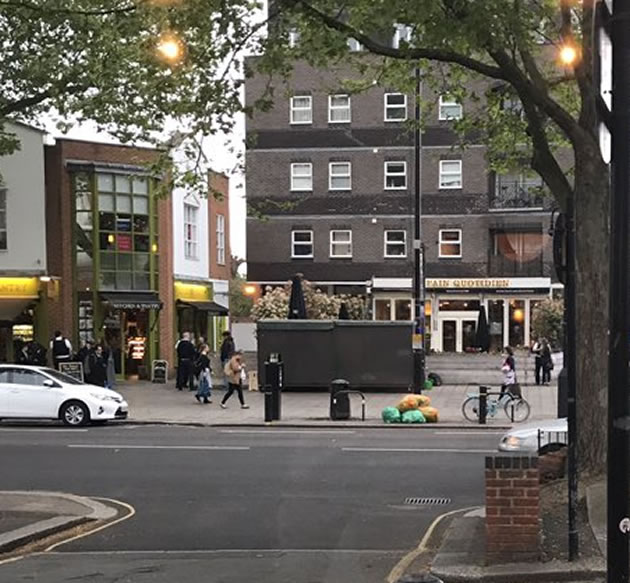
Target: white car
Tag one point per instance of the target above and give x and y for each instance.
(38, 392)
(545, 436)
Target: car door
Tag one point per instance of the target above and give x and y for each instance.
(29, 397)
(5, 375)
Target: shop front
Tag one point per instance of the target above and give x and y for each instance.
(198, 313)
(508, 302)
(452, 309)
(22, 314)
(129, 329)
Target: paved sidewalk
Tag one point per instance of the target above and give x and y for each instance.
(162, 403)
(29, 516)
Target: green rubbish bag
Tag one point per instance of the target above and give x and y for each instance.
(428, 385)
(413, 416)
(391, 415)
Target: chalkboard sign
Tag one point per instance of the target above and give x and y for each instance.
(159, 371)
(72, 369)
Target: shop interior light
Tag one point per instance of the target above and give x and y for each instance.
(249, 290)
(45, 278)
(110, 238)
(154, 247)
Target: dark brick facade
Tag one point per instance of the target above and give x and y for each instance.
(368, 209)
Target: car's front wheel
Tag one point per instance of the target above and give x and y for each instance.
(75, 414)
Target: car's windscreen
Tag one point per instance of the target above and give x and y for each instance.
(64, 378)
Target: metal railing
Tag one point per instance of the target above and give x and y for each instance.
(514, 194)
(552, 439)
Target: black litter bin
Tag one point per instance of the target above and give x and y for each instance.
(339, 401)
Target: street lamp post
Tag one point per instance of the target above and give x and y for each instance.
(618, 523)
(418, 254)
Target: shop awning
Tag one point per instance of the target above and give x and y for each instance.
(11, 308)
(212, 308)
(133, 300)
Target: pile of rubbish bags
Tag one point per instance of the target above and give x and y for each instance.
(411, 409)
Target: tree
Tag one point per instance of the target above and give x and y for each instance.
(513, 46)
(548, 321)
(240, 303)
(131, 66)
(274, 305)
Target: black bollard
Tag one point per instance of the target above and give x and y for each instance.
(483, 404)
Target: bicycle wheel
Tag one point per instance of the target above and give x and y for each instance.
(470, 409)
(517, 410)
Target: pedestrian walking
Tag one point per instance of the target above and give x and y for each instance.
(185, 359)
(227, 350)
(538, 361)
(508, 368)
(35, 353)
(204, 370)
(232, 372)
(546, 361)
(97, 367)
(61, 349)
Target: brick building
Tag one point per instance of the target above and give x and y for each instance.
(109, 246)
(330, 186)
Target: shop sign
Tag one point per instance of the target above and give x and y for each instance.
(124, 242)
(19, 287)
(467, 283)
(496, 285)
(72, 369)
(192, 292)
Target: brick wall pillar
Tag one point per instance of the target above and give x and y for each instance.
(512, 509)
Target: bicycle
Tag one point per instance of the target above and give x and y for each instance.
(516, 408)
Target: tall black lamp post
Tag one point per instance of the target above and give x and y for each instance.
(418, 252)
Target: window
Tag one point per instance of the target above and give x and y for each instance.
(341, 243)
(294, 38)
(3, 219)
(450, 174)
(338, 109)
(395, 243)
(302, 176)
(450, 243)
(340, 176)
(28, 377)
(220, 239)
(190, 231)
(395, 107)
(390, 309)
(449, 108)
(301, 109)
(402, 33)
(518, 246)
(301, 244)
(395, 175)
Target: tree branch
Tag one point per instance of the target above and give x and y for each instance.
(408, 53)
(26, 102)
(36, 8)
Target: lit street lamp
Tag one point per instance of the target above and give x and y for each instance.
(170, 48)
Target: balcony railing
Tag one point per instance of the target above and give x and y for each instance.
(500, 266)
(516, 194)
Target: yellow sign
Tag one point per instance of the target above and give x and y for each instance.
(467, 283)
(19, 287)
(193, 291)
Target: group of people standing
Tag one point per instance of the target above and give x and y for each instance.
(543, 365)
(194, 368)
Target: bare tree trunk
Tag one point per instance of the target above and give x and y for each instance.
(592, 205)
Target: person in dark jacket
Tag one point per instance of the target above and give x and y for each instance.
(35, 353)
(202, 364)
(186, 354)
(547, 362)
(538, 366)
(61, 349)
(97, 365)
(227, 350)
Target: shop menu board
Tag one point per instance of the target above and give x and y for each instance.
(72, 369)
(159, 371)
(137, 347)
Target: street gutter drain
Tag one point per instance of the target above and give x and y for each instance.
(427, 501)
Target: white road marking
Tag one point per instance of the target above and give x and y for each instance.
(131, 511)
(42, 430)
(487, 432)
(178, 447)
(415, 450)
(234, 551)
(285, 431)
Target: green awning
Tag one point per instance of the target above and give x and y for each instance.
(211, 308)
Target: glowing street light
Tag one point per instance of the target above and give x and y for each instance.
(568, 55)
(249, 290)
(170, 48)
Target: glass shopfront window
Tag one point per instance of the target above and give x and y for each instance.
(517, 323)
(124, 233)
(495, 323)
(382, 309)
